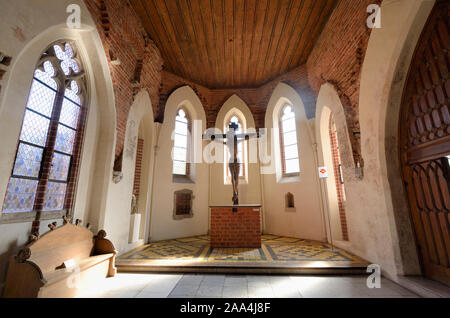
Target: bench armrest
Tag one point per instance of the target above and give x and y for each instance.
(24, 279)
(105, 246)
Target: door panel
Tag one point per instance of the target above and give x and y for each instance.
(425, 144)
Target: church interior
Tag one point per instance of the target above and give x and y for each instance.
(224, 148)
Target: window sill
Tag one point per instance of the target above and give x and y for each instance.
(179, 217)
(291, 178)
(291, 175)
(25, 217)
(181, 179)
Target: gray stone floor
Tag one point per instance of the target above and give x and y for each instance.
(242, 286)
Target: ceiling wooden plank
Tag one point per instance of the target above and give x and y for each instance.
(318, 28)
(261, 16)
(314, 13)
(233, 43)
(264, 43)
(285, 42)
(279, 33)
(207, 65)
(305, 15)
(274, 11)
(296, 32)
(208, 28)
(249, 22)
(197, 46)
(229, 42)
(217, 14)
(239, 7)
(181, 34)
(143, 13)
(174, 35)
(161, 30)
(253, 20)
(314, 26)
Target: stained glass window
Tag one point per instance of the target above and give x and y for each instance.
(53, 105)
(28, 161)
(20, 195)
(60, 167)
(289, 146)
(54, 196)
(67, 59)
(65, 139)
(180, 144)
(34, 128)
(70, 114)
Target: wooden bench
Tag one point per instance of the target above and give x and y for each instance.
(61, 263)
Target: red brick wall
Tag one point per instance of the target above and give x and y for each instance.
(337, 58)
(124, 38)
(138, 169)
(339, 186)
(235, 229)
(257, 99)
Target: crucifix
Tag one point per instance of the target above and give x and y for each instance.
(232, 140)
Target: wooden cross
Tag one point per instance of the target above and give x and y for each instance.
(231, 138)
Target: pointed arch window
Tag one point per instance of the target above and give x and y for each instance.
(181, 165)
(288, 142)
(46, 165)
(241, 156)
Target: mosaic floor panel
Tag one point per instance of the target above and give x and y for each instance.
(275, 251)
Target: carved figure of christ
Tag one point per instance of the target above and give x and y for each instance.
(232, 142)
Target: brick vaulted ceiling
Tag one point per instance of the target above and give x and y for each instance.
(233, 43)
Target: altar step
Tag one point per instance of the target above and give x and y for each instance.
(277, 255)
(351, 269)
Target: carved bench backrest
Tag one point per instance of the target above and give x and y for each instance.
(62, 244)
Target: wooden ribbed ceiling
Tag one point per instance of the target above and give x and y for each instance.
(233, 43)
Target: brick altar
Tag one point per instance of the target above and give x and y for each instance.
(235, 226)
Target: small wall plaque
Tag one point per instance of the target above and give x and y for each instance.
(323, 172)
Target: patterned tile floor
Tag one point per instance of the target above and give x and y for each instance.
(275, 251)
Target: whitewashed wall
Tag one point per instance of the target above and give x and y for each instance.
(116, 217)
(163, 226)
(307, 221)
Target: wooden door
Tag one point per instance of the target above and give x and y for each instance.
(425, 144)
